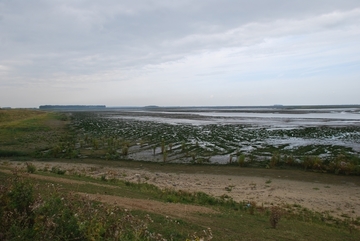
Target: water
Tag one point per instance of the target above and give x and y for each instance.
(259, 117)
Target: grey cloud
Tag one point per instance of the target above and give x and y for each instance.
(94, 41)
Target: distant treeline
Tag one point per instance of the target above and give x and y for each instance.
(70, 107)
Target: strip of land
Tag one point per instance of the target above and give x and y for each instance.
(336, 195)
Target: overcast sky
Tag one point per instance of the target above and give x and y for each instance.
(179, 53)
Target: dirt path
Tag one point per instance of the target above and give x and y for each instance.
(171, 209)
(339, 197)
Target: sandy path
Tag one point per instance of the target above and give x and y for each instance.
(337, 199)
(171, 209)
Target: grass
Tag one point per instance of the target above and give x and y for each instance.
(27, 132)
(37, 211)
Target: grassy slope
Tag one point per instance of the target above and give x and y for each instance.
(23, 132)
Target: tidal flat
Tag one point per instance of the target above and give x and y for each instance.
(219, 135)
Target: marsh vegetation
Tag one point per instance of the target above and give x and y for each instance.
(319, 148)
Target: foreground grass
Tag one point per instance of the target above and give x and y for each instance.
(35, 211)
(233, 221)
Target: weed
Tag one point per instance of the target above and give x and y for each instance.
(103, 178)
(183, 146)
(205, 236)
(163, 146)
(58, 171)
(252, 207)
(125, 150)
(275, 216)
(241, 160)
(230, 159)
(228, 188)
(275, 160)
(165, 155)
(252, 186)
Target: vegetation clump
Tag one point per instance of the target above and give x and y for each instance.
(275, 216)
(31, 168)
(27, 215)
(58, 171)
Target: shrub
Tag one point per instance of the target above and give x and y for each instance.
(55, 151)
(21, 196)
(30, 168)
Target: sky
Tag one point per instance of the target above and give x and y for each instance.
(179, 52)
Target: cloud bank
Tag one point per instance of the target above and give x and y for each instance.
(134, 53)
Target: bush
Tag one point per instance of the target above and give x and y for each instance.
(31, 168)
(56, 219)
(21, 196)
